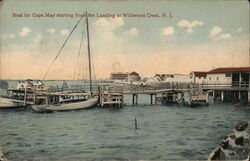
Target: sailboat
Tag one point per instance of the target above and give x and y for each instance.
(86, 101)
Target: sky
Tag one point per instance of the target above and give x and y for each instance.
(192, 36)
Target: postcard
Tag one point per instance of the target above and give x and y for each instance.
(124, 80)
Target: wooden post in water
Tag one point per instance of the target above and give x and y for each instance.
(133, 99)
(135, 124)
(155, 99)
(151, 99)
(222, 96)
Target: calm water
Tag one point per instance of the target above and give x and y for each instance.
(165, 132)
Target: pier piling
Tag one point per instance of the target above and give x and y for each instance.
(136, 96)
(134, 99)
(222, 96)
(135, 124)
(151, 99)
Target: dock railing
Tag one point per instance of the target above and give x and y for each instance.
(147, 89)
(236, 85)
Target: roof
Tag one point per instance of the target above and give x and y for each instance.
(230, 70)
(134, 73)
(118, 73)
(170, 75)
(200, 74)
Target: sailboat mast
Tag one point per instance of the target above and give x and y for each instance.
(90, 75)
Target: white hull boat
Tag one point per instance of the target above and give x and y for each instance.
(6, 103)
(89, 103)
(76, 104)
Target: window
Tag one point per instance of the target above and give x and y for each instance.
(228, 74)
(217, 78)
(209, 78)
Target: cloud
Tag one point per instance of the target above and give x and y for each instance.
(133, 32)
(25, 31)
(110, 38)
(64, 32)
(9, 36)
(108, 23)
(216, 34)
(239, 29)
(104, 29)
(38, 38)
(215, 31)
(189, 25)
(223, 36)
(51, 30)
(169, 30)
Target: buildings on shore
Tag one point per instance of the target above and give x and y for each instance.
(119, 76)
(226, 84)
(198, 77)
(125, 77)
(235, 76)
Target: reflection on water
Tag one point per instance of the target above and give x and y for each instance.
(164, 132)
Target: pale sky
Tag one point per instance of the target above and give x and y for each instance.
(199, 36)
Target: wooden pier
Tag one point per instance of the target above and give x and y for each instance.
(110, 96)
(113, 94)
(234, 92)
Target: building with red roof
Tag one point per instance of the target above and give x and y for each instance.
(236, 76)
(198, 76)
(230, 70)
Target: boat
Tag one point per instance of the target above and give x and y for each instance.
(195, 97)
(22, 95)
(6, 103)
(89, 103)
(49, 102)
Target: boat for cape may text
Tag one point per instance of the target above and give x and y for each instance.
(46, 102)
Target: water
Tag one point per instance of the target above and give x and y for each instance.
(165, 132)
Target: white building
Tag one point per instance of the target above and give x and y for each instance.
(235, 76)
(178, 78)
(119, 76)
(168, 78)
(134, 77)
(198, 77)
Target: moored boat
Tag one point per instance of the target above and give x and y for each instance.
(86, 104)
(47, 102)
(6, 103)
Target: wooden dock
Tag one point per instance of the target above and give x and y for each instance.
(113, 94)
(110, 96)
